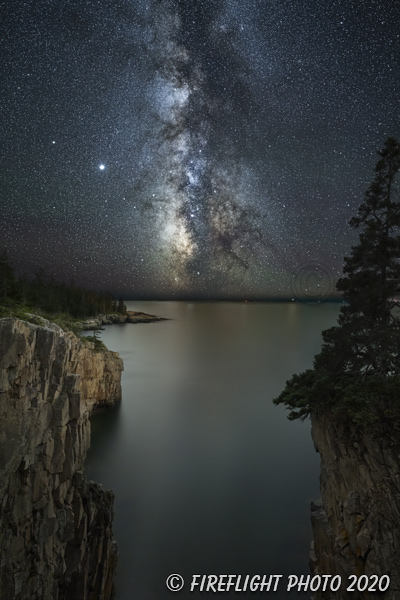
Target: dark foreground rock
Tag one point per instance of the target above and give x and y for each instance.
(117, 319)
(356, 528)
(56, 540)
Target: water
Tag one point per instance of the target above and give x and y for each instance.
(209, 476)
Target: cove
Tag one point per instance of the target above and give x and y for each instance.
(209, 476)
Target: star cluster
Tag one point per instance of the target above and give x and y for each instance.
(177, 148)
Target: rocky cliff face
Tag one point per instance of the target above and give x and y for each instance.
(55, 527)
(357, 526)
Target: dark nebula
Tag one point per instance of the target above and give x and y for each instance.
(178, 148)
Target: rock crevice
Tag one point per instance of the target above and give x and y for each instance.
(55, 526)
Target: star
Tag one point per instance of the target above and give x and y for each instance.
(242, 135)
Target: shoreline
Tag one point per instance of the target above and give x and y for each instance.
(131, 316)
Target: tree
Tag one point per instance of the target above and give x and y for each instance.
(362, 351)
(121, 307)
(8, 284)
(367, 338)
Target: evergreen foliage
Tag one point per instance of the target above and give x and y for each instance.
(47, 296)
(121, 306)
(8, 284)
(357, 372)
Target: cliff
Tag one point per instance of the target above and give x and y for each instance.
(55, 527)
(356, 528)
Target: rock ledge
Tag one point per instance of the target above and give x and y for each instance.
(118, 319)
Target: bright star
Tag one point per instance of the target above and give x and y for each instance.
(102, 167)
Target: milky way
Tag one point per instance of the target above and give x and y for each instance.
(192, 149)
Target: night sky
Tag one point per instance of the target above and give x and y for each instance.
(192, 149)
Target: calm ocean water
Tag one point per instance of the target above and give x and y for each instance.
(209, 476)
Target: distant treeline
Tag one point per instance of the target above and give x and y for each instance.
(44, 293)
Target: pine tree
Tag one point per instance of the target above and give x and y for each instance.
(7, 278)
(357, 371)
(121, 306)
(367, 337)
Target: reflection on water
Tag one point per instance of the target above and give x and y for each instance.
(209, 476)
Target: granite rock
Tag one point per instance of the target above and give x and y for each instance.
(356, 527)
(56, 539)
(130, 316)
